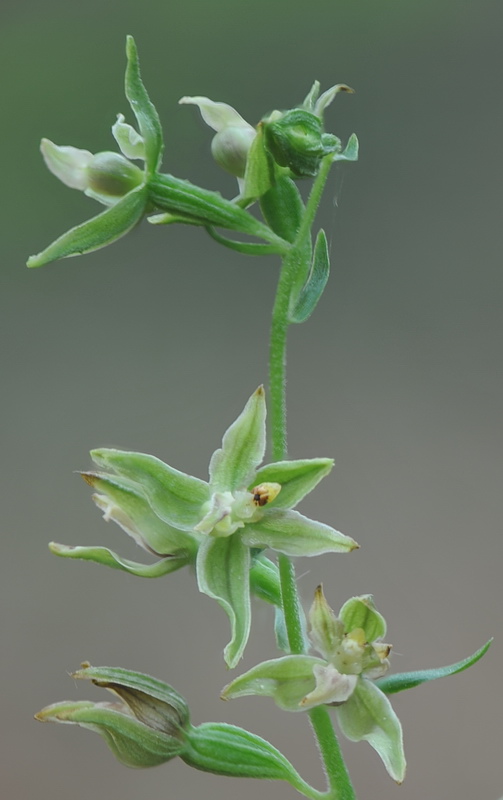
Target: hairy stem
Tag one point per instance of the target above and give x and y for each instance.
(339, 783)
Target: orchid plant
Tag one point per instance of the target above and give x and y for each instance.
(224, 527)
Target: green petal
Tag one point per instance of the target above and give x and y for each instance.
(368, 715)
(123, 502)
(287, 680)
(295, 535)
(97, 232)
(143, 109)
(243, 445)
(360, 612)
(175, 497)
(283, 209)
(408, 680)
(297, 478)
(102, 555)
(223, 567)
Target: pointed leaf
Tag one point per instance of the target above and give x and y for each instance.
(297, 478)
(408, 680)
(175, 497)
(123, 502)
(282, 208)
(102, 555)
(233, 465)
(227, 750)
(360, 612)
(143, 109)
(368, 715)
(316, 281)
(295, 535)
(97, 232)
(223, 567)
(287, 680)
(261, 171)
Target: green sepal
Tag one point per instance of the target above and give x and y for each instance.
(125, 504)
(326, 632)
(297, 478)
(360, 612)
(368, 715)
(287, 680)
(293, 534)
(97, 232)
(143, 109)
(265, 581)
(153, 702)
(243, 445)
(350, 152)
(223, 573)
(131, 741)
(102, 555)
(282, 208)
(227, 750)
(408, 680)
(175, 497)
(314, 287)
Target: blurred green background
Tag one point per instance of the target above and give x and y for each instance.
(156, 342)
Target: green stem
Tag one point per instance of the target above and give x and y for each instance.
(340, 787)
(338, 778)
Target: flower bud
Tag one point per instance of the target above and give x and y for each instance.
(110, 176)
(144, 729)
(296, 140)
(105, 176)
(231, 144)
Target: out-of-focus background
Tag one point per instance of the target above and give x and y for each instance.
(155, 343)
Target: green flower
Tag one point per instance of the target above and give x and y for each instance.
(220, 524)
(352, 656)
(130, 192)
